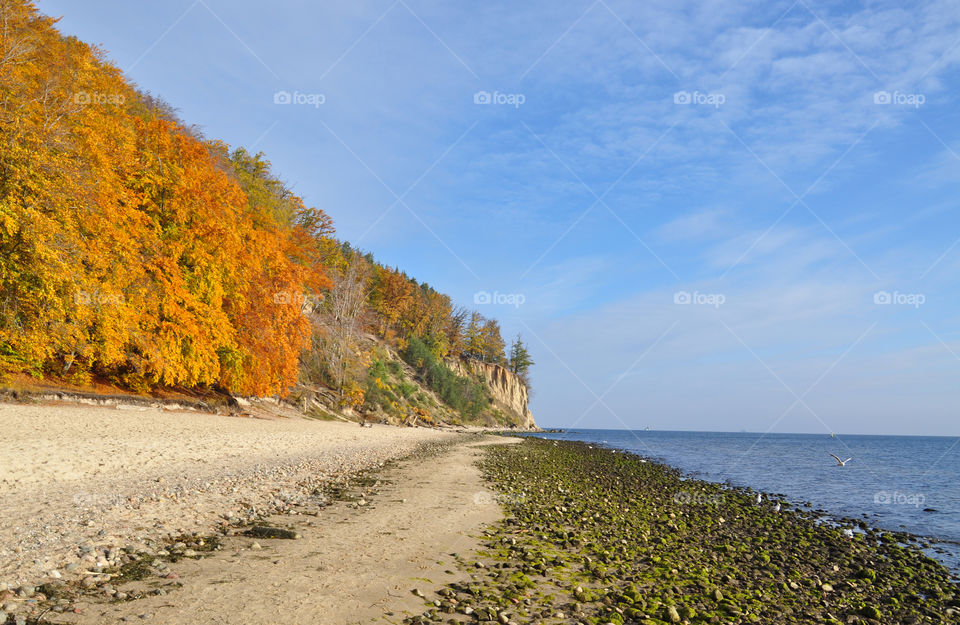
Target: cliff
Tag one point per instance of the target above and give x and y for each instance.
(508, 392)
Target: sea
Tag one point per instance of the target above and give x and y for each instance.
(901, 483)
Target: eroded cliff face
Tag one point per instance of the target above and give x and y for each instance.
(508, 391)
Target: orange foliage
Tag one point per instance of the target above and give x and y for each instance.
(128, 248)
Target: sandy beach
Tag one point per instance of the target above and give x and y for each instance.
(82, 483)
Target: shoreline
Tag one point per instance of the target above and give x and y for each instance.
(83, 483)
(419, 527)
(943, 548)
(596, 536)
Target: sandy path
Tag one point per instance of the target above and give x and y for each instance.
(352, 565)
(79, 475)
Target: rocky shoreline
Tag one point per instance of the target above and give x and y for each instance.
(597, 536)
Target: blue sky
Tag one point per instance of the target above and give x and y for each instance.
(695, 212)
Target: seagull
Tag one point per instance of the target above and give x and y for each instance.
(759, 499)
(776, 508)
(841, 463)
(848, 533)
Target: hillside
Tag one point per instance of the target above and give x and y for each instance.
(139, 256)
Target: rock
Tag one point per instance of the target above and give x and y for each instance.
(871, 612)
(73, 566)
(262, 531)
(826, 587)
(25, 592)
(673, 615)
(418, 592)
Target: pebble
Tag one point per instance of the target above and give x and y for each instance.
(256, 546)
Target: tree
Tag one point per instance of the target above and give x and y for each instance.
(493, 344)
(339, 324)
(520, 360)
(473, 338)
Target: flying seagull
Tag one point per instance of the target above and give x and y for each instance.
(841, 463)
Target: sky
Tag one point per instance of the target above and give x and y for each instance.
(699, 215)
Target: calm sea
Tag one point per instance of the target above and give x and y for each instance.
(909, 483)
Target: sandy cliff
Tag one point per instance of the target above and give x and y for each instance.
(508, 391)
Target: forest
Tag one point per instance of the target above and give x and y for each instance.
(135, 250)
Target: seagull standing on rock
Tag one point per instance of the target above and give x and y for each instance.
(759, 499)
(776, 508)
(841, 463)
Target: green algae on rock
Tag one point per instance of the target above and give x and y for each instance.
(595, 536)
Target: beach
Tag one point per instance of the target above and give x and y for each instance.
(175, 517)
(86, 486)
